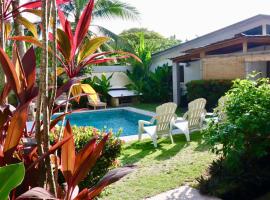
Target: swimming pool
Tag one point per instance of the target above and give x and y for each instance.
(106, 120)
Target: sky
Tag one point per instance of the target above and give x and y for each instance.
(188, 19)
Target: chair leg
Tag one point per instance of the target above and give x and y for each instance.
(187, 136)
(171, 138)
(154, 138)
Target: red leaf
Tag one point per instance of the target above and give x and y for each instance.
(68, 155)
(38, 3)
(15, 129)
(83, 25)
(29, 65)
(51, 150)
(111, 177)
(65, 25)
(86, 159)
(9, 70)
(36, 193)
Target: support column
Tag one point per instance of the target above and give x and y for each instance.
(176, 83)
(245, 47)
(264, 31)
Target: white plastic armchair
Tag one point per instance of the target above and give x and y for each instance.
(220, 109)
(192, 119)
(165, 115)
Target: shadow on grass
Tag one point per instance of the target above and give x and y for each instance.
(135, 151)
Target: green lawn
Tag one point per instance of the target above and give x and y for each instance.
(152, 107)
(166, 167)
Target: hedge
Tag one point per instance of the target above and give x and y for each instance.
(211, 90)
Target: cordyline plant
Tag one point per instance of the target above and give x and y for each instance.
(28, 7)
(21, 78)
(76, 49)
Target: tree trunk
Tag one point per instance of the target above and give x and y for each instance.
(2, 34)
(18, 30)
(44, 98)
(54, 82)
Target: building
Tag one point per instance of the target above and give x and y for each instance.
(229, 53)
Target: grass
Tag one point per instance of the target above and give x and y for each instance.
(152, 107)
(166, 167)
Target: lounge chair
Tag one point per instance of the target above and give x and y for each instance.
(61, 101)
(192, 119)
(165, 113)
(94, 101)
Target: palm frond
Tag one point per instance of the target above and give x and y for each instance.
(117, 43)
(107, 9)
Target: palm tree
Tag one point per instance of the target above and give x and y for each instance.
(105, 9)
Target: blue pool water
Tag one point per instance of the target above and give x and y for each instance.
(109, 120)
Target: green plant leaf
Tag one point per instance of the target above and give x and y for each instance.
(11, 176)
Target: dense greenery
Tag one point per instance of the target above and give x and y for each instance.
(243, 142)
(211, 90)
(101, 85)
(155, 86)
(153, 40)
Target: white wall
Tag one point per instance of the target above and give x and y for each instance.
(192, 72)
(119, 79)
(260, 67)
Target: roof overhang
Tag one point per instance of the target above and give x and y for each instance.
(223, 47)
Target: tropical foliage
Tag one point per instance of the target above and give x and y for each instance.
(17, 143)
(145, 81)
(101, 85)
(153, 40)
(211, 90)
(242, 141)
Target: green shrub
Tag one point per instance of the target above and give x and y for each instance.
(211, 90)
(107, 160)
(154, 86)
(100, 85)
(243, 141)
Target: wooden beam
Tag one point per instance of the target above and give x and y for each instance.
(245, 46)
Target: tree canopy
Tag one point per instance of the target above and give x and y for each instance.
(153, 41)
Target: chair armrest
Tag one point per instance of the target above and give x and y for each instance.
(143, 122)
(185, 116)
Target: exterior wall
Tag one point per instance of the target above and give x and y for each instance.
(119, 79)
(260, 67)
(192, 72)
(223, 68)
(163, 59)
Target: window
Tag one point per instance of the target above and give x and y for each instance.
(254, 31)
(181, 73)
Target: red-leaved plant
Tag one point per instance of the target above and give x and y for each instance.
(76, 49)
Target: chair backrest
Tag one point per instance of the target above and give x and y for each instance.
(220, 109)
(164, 115)
(196, 112)
(93, 98)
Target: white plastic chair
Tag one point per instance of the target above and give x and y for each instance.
(165, 114)
(192, 119)
(220, 109)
